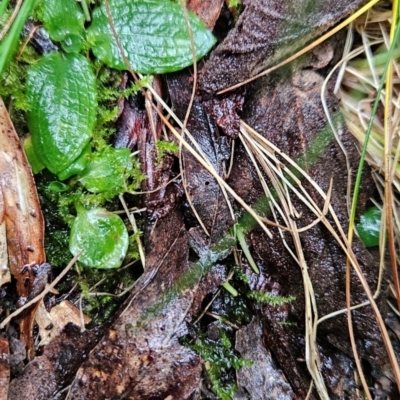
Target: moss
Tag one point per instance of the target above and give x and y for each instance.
(239, 274)
(234, 3)
(164, 147)
(221, 360)
(133, 250)
(56, 230)
(288, 324)
(101, 307)
(270, 298)
(108, 94)
(12, 86)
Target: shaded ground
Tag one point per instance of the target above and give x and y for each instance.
(138, 353)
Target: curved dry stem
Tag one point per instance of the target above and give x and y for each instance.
(10, 21)
(341, 238)
(274, 170)
(214, 173)
(132, 220)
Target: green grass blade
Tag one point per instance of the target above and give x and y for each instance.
(8, 45)
(369, 128)
(3, 7)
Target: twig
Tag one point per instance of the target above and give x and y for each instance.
(135, 229)
(40, 296)
(11, 19)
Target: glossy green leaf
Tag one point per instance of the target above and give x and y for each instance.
(58, 187)
(63, 19)
(61, 91)
(78, 165)
(369, 226)
(153, 34)
(106, 170)
(72, 44)
(101, 236)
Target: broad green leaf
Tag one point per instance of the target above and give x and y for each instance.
(101, 236)
(106, 171)
(369, 226)
(64, 20)
(61, 91)
(153, 34)
(78, 165)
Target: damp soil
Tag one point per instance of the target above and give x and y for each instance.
(146, 349)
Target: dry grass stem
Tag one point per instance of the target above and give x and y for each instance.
(132, 221)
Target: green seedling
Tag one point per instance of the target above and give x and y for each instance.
(230, 289)
(242, 241)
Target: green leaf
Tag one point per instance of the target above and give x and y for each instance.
(369, 226)
(64, 21)
(106, 170)
(153, 34)
(62, 94)
(72, 44)
(78, 165)
(101, 236)
(245, 248)
(58, 187)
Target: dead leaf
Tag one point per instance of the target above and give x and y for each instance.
(267, 32)
(48, 373)
(224, 111)
(5, 275)
(205, 193)
(22, 216)
(207, 10)
(4, 368)
(52, 323)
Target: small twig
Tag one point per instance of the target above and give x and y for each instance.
(157, 189)
(185, 121)
(40, 296)
(81, 316)
(215, 316)
(11, 19)
(119, 45)
(193, 49)
(31, 33)
(132, 220)
(133, 210)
